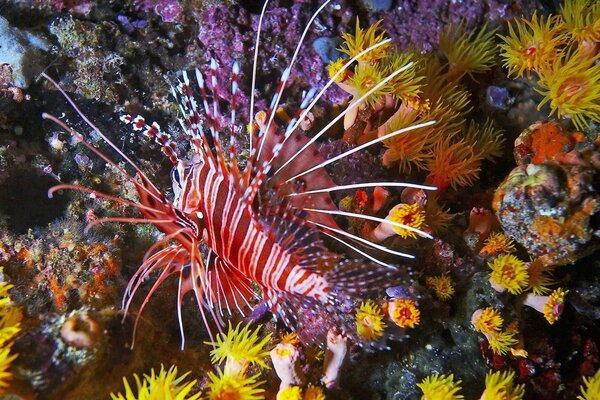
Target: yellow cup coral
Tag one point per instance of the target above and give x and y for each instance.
(442, 286)
(10, 325)
(551, 306)
(165, 385)
(223, 386)
(369, 321)
(240, 347)
(501, 386)
(508, 273)
(533, 45)
(487, 321)
(404, 312)
(590, 390)
(440, 387)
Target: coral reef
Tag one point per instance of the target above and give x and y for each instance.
(497, 200)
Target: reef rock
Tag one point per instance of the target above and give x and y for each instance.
(551, 209)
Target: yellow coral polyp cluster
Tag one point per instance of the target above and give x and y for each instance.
(590, 390)
(411, 215)
(440, 387)
(467, 51)
(489, 322)
(362, 39)
(501, 386)
(223, 386)
(164, 385)
(502, 342)
(10, 325)
(581, 20)
(442, 286)
(369, 321)
(553, 308)
(365, 78)
(240, 347)
(509, 273)
(563, 51)
(532, 46)
(571, 86)
(539, 277)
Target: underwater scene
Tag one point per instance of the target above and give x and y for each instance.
(299, 199)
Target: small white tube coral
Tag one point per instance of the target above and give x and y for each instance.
(334, 357)
(285, 359)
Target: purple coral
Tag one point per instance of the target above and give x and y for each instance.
(169, 10)
(282, 27)
(418, 23)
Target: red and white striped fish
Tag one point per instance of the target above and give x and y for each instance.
(260, 226)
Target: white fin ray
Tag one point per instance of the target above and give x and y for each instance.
(362, 146)
(372, 218)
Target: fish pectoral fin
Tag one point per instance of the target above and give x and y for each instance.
(228, 288)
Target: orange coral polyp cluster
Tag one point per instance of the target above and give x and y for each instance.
(497, 243)
(455, 164)
(404, 312)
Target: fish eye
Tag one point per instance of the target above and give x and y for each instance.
(175, 176)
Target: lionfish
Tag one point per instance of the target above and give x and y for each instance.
(260, 226)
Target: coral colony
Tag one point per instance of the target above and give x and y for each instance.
(300, 200)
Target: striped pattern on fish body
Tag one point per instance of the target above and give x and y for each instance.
(227, 230)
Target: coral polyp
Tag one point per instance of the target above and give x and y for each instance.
(509, 273)
(500, 385)
(571, 86)
(164, 385)
(240, 347)
(369, 321)
(531, 44)
(223, 386)
(440, 387)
